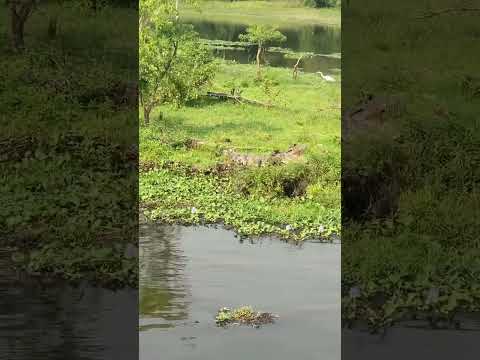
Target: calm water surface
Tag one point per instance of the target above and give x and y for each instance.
(310, 38)
(187, 274)
(401, 343)
(57, 321)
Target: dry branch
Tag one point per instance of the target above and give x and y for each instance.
(295, 67)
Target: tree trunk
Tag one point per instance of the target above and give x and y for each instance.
(146, 114)
(259, 52)
(52, 27)
(18, 41)
(295, 68)
(19, 13)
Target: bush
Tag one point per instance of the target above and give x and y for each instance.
(276, 181)
(322, 3)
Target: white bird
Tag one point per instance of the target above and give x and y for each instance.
(326, 77)
(194, 210)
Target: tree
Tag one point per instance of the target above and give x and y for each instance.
(174, 65)
(20, 10)
(264, 36)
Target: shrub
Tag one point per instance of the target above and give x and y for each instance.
(322, 3)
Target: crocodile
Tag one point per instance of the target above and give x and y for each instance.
(294, 153)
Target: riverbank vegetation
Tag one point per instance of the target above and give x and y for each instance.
(68, 169)
(208, 161)
(279, 13)
(410, 248)
(184, 166)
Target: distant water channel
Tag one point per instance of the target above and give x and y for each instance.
(316, 39)
(188, 273)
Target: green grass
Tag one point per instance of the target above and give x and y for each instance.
(65, 148)
(306, 111)
(279, 13)
(431, 241)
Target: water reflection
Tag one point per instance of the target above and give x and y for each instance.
(400, 343)
(56, 321)
(277, 59)
(312, 38)
(163, 290)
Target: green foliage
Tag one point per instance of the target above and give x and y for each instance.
(242, 315)
(430, 151)
(64, 188)
(168, 196)
(289, 13)
(263, 35)
(275, 181)
(322, 3)
(174, 64)
(223, 317)
(244, 312)
(253, 201)
(270, 89)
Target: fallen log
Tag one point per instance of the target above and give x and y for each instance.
(237, 98)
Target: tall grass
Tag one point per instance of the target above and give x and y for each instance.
(426, 160)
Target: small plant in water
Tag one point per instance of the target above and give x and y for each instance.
(224, 316)
(244, 315)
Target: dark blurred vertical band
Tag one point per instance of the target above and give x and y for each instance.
(69, 179)
(410, 199)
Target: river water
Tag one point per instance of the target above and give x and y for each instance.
(403, 342)
(40, 320)
(316, 39)
(188, 273)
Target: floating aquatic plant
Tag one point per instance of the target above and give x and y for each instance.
(244, 315)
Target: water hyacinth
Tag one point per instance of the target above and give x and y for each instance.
(244, 315)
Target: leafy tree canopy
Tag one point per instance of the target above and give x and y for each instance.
(263, 35)
(174, 65)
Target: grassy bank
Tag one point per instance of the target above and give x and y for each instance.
(280, 13)
(178, 176)
(67, 168)
(420, 257)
